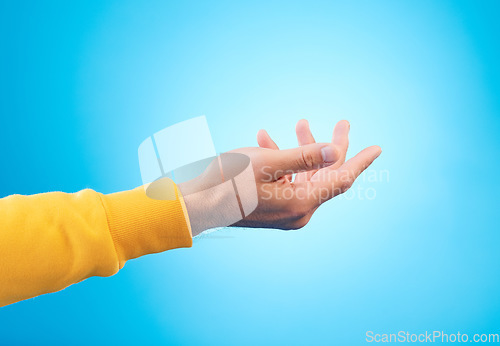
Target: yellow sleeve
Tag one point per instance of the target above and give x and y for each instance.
(52, 240)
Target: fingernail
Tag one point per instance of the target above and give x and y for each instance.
(328, 154)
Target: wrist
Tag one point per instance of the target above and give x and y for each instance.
(210, 208)
(201, 210)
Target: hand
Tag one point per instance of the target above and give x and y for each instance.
(283, 202)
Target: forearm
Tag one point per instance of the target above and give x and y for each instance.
(50, 241)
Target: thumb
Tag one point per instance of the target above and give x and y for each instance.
(304, 158)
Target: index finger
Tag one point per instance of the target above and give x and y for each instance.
(334, 182)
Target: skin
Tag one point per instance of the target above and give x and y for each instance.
(286, 202)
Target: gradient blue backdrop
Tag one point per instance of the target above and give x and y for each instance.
(83, 83)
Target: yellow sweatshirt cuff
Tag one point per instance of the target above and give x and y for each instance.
(140, 225)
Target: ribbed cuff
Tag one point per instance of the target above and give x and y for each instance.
(140, 225)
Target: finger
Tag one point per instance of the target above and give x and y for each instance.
(301, 159)
(265, 141)
(361, 161)
(328, 184)
(304, 137)
(341, 140)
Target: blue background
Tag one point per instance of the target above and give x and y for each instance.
(83, 83)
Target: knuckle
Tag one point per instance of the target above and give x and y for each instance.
(345, 183)
(344, 186)
(306, 160)
(298, 214)
(298, 218)
(299, 223)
